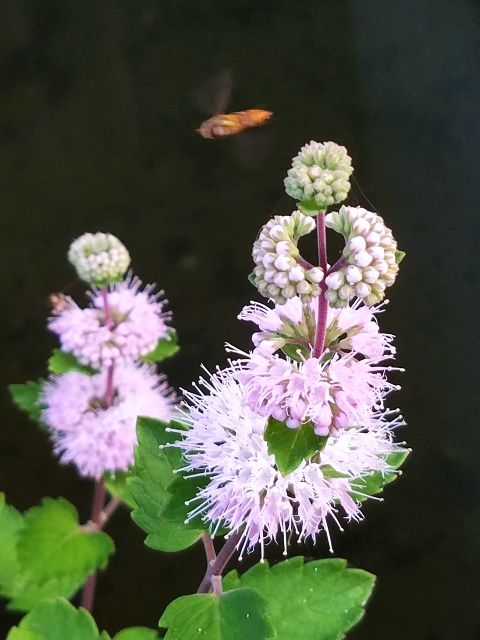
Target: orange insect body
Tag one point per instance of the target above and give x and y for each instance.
(59, 303)
(228, 124)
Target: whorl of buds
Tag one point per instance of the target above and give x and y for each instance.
(278, 273)
(319, 176)
(99, 258)
(370, 254)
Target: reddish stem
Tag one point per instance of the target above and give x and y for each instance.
(106, 307)
(322, 308)
(98, 503)
(97, 507)
(218, 565)
(339, 264)
(209, 548)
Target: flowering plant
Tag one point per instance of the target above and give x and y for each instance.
(285, 443)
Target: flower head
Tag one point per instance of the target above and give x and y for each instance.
(332, 393)
(370, 254)
(135, 322)
(99, 258)
(245, 490)
(278, 272)
(94, 437)
(349, 328)
(319, 173)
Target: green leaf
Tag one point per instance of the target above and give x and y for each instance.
(158, 492)
(117, 486)
(166, 348)
(235, 615)
(11, 523)
(309, 207)
(55, 620)
(54, 555)
(252, 279)
(62, 362)
(291, 446)
(136, 633)
(374, 482)
(321, 599)
(399, 255)
(27, 398)
(291, 350)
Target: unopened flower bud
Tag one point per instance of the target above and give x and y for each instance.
(99, 258)
(319, 176)
(370, 252)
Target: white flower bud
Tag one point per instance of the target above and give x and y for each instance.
(356, 244)
(346, 292)
(353, 274)
(303, 287)
(362, 289)
(320, 171)
(289, 291)
(315, 274)
(335, 280)
(99, 258)
(361, 259)
(370, 253)
(296, 273)
(281, 279)
(284, 263)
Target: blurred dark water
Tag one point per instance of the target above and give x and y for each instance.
(96, 129)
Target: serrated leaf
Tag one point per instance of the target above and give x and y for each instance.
(136, 633)
(158, 492)
(27, 398)
(373, 483)
(322, 599)
(62, 362)
(166, 348)
(291, 446)
(11, 523)
(117, 486)
(55, 620)
(54, 555)
(235, 615)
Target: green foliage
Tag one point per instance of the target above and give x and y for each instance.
(136, 633)
(399, 255)
(236, 615)
(374, 482)
(49, 553)
(27, 398)
(292, 351)
(158, 492)
(11, 522)
(59, 620)
(55, 620)
(63, 362)
(166, 348)
(291, 446)
(321, 599)
(117, 486)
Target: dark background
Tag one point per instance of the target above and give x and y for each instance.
(97, 111)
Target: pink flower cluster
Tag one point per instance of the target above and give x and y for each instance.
(131, 328)
(95, 437)
(333, 394)
(247, 493)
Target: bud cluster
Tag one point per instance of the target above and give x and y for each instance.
(370, 254)
(99, 258)
(319, 175)
(278, 273)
